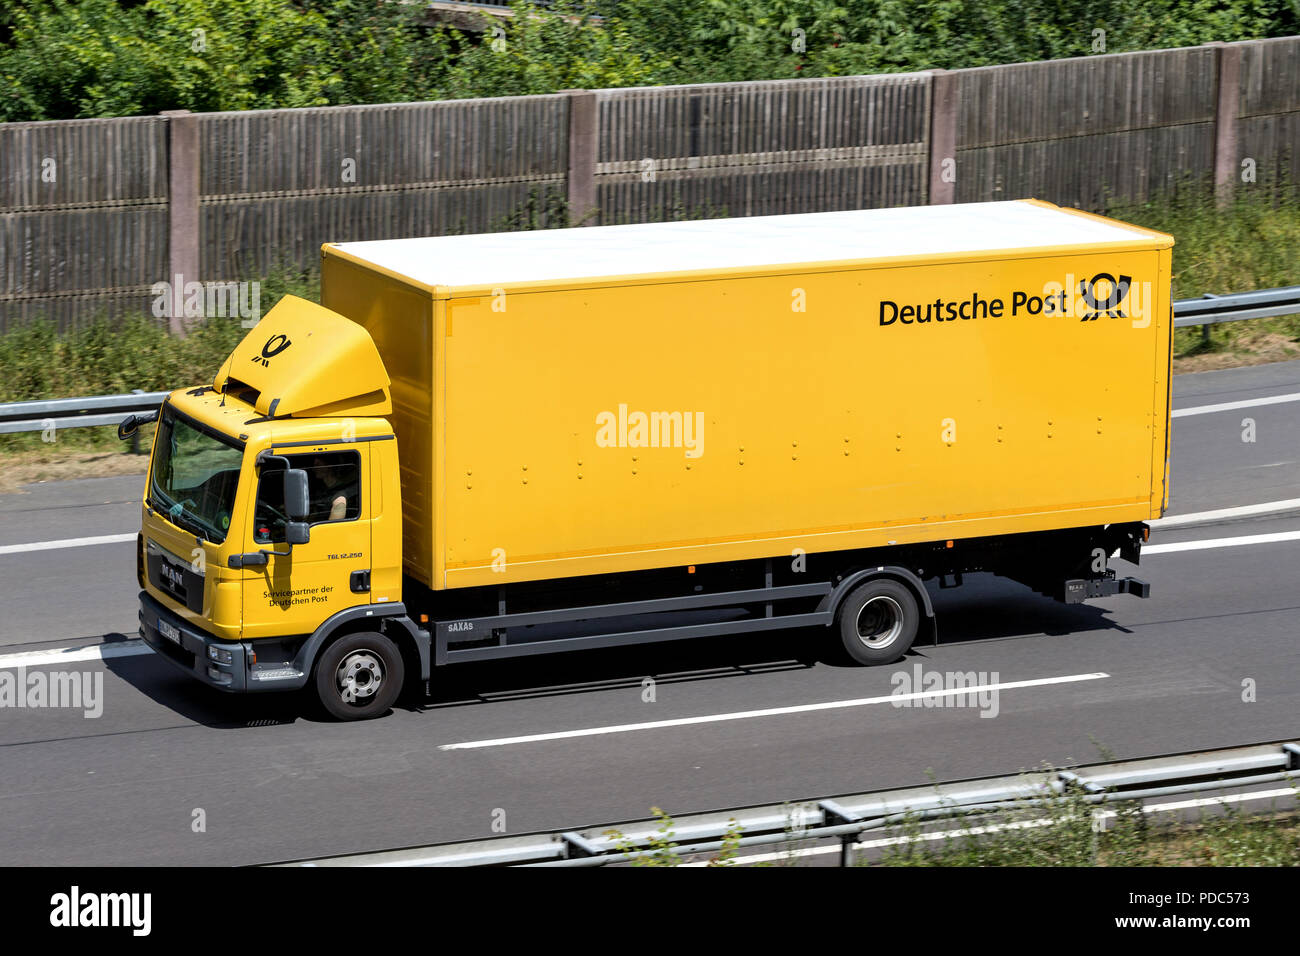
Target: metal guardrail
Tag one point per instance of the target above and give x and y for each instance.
(111, 409)
(849, 819)
(87, 412)
(1211, 309)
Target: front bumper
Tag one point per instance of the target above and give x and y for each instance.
(233, 669)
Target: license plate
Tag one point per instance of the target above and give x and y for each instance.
(169, 631)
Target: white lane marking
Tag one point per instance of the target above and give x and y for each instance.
(1229, 406)
(1209, 543)
(1154, 808)
(1203, 517)
(768, 712)
(66, 543)
(74, 655)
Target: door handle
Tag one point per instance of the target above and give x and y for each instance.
(359, 582)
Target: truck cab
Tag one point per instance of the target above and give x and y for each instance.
(272, 504)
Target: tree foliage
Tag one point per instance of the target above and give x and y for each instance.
(85, 58)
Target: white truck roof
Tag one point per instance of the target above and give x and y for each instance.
(712, 244)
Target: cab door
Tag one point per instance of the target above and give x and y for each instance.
(301, 586)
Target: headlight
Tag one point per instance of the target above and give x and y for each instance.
(219, 654)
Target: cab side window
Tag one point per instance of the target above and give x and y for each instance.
(333, 493)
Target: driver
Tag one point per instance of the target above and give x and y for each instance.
(334, 487)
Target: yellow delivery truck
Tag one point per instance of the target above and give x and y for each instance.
(479, 447)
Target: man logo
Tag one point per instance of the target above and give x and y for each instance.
(1113, 290)
(273, 347)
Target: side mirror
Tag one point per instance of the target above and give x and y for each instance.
(296, 505)
(131, 424)
(297, 532)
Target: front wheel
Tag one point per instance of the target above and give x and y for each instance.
(878, 621)
(359, 676)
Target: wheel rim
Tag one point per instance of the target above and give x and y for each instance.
(880, 622)
(359, 677)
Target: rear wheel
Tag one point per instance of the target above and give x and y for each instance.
(878, 621)
(359, 676)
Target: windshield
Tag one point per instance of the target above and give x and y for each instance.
(195, 474)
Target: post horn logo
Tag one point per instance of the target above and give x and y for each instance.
(273, 347)
(1115, 291)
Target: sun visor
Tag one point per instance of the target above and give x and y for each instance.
(306, 361)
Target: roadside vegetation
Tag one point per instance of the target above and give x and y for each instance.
(1064, 834)
(115, 355)
(1223, 836)
(62, 59)
(1252, 244)
(110, 356)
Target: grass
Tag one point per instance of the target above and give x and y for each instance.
(110, 356)
(1254, 243)
(1227, 838)
(1061, 834)
(115, 355)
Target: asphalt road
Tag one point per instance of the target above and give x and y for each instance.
(274, 783)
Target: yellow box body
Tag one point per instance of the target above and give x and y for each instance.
(822, 428)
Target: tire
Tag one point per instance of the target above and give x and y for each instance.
(878, 621)
(359, 676)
